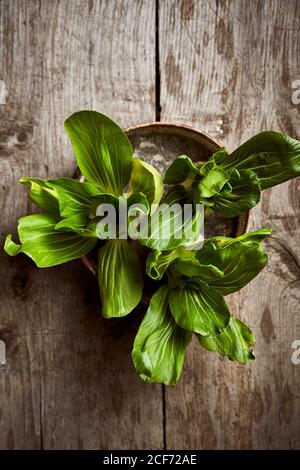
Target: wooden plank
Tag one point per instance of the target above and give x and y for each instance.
(68, 381)
(227, 67)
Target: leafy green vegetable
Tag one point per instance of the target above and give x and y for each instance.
(255, 236)
(193, 280)
(201, 310)
(219, 155)
(234, 342)
(78, 204)
(139, 201)
(80, 225)
(274, 157)
(146, 179)
(210, 184)
(138, 208)
(160, 344)
(43, 196)
(74, 197)
(44, 244)
(191, 268)
(240, 194)
(176, 195)
(158, 261)
(167, 228)
(240, 261)
(197, 282)
(120, 278)
(103, 152)
(180, 169)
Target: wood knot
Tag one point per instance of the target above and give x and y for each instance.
(20, 284)
(187, 9)
(15, 135)
(267, 326)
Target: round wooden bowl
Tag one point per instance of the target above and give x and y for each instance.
(159, 143)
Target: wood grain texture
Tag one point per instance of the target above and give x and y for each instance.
(68, 382)
(227, 67)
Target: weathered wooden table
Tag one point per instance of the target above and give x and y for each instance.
(226, 67)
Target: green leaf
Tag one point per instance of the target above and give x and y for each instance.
(181, 169)
(167, 228)
(191, 268)
(102, 150)
(256, 236)
(160, 344)
(242, 193)
(78, 204)
(201, 310)
(11, 248)
(139, 201)
(137, 210)
(239, 260)
(44, 244)
(75, 197)
(210, 184)
(43, 196)
(158, 261)
(105, 198)
(220, 154)
(120, 278)
(80, 225)
(176, 195)
(274, 157)
(234, 342)
(146, 179)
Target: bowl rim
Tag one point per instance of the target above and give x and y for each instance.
(174, 125)
(244, 219)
